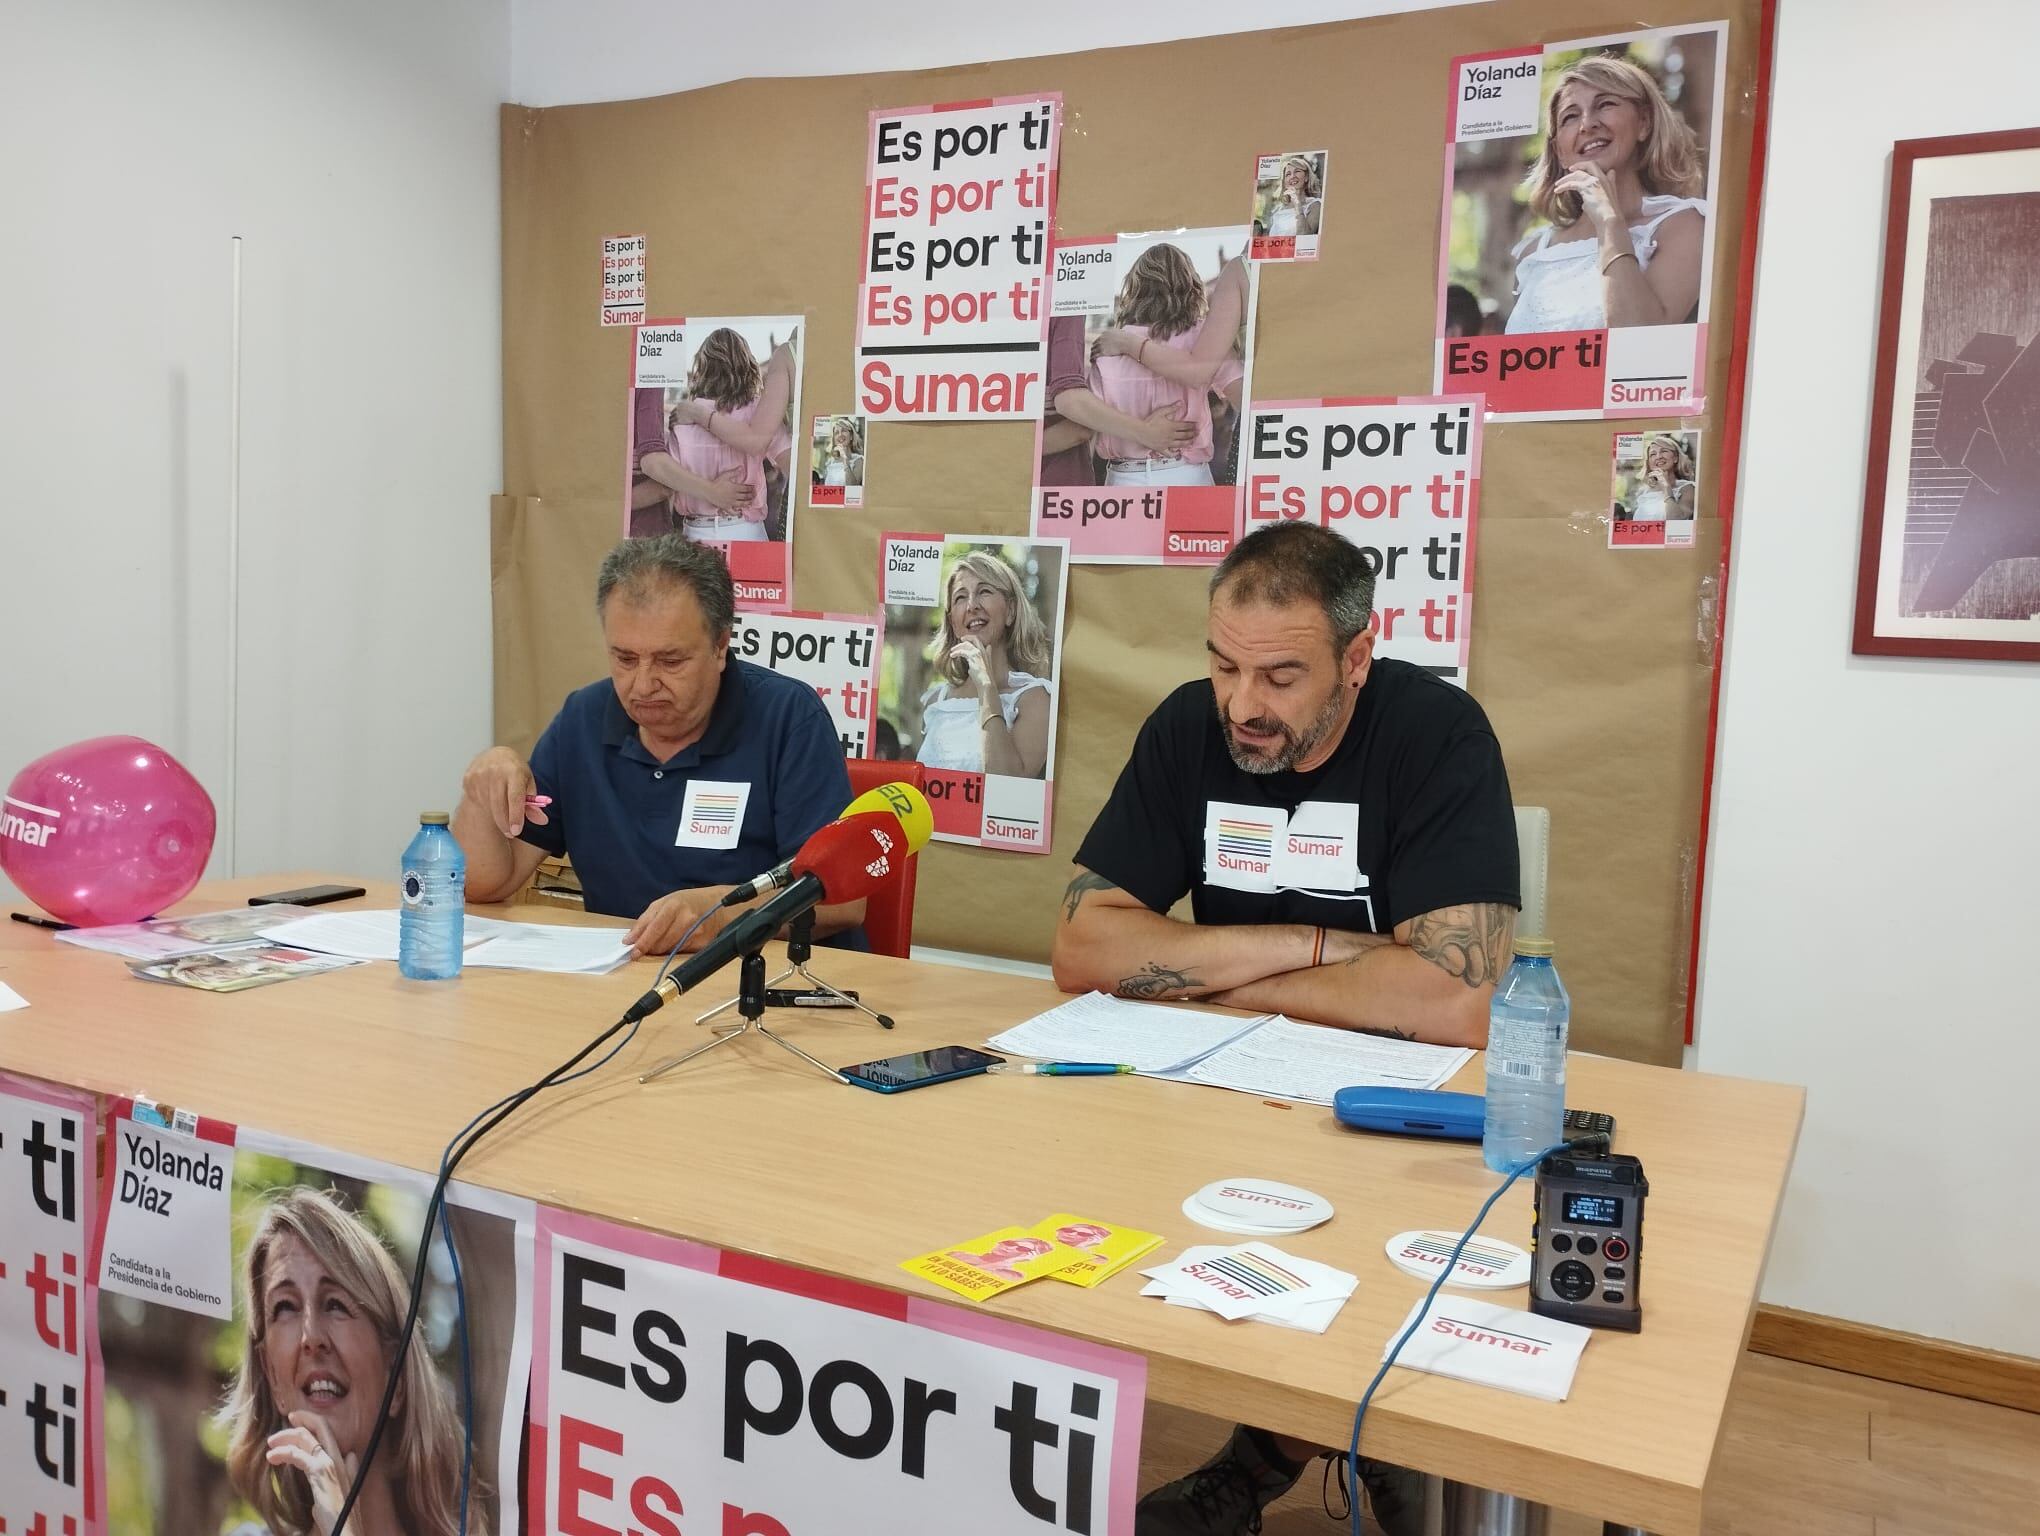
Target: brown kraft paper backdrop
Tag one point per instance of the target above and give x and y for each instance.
(1593, 665)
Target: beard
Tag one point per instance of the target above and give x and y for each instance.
(1293, 746)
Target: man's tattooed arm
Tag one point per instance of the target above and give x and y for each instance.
(1471, 942)
(1155, 981)
(1073, 895)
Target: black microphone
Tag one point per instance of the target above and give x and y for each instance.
(843, 861)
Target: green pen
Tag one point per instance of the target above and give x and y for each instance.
(1063, 1068)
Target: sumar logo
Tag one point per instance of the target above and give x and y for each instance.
(1246, 845)
(36, 834)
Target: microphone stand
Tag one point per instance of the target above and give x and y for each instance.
(750, 1005)
(800, 943)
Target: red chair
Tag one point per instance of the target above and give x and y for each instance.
(889, 911)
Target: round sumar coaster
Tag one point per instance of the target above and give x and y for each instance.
(1486, 1264)
(1257, 1206)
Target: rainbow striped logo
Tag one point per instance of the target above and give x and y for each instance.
(1476, 1255)
(716, 810)
(1254, 1273)
(1246, 839)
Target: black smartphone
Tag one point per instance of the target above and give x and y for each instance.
(307, 896)
(946, 1063)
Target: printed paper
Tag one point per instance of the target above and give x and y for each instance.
(765, 1401)
(1655, 501)
(1289, 205)
(959, 210)
(623, 279)
(836, 461)
(1398, 478)
(713, 404)
(970, 676)
(1576, 245)
(836, 654)
(1150, 358)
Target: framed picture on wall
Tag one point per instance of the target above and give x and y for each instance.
(1951, 516)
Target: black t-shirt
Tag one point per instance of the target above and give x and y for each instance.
(1409, 814)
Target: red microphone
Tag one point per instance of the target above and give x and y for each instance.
(844, 861)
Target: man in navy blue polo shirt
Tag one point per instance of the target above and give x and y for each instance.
(685, 774)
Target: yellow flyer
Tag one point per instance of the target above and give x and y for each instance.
(984, 1266)
(1103, 1250)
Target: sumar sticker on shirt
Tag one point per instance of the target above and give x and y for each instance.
(1239, 845)
(712, 815)
(1317, 852)
(1263, 849)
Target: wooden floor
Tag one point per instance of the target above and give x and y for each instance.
(1806, 1452)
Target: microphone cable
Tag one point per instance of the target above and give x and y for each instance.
(1597, 1142)
(464, 1142)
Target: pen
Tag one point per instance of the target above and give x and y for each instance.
(37, 920)
(1063, 1068)
(538, 802)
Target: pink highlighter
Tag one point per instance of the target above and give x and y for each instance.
(538, 802)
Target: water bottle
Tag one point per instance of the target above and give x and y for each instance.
(434, 891)
(1527, 1025)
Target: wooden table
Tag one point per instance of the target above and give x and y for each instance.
(749, 1149)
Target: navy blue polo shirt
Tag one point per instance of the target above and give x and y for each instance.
(766, 773)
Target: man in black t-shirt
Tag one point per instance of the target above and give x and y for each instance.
(1343, 828)
(1341, 824)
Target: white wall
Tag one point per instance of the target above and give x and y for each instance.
(1872, 913)
(614, 50)
(353, 147)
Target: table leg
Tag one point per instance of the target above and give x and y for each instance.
(1464, 1510)
(1460, 1509)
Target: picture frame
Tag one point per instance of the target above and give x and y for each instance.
(1950, 559)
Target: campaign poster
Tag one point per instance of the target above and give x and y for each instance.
(836, 654)
(1289, 204)
(48, 1320)
(969, 680)
(1577, 241)
(959, 210)
(677, 1387)
(1150, 357)
(1401, 479)
(623, 280)
(252, 1288)
(836, 456)
(1655, 499)
(712, 410)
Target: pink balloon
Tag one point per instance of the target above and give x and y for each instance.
(110, 830)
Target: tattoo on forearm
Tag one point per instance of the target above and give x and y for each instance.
(1470, 942)
(1074, 893)
(1157, 981)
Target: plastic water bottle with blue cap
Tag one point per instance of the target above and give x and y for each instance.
(1527, 1026)
(433, 894)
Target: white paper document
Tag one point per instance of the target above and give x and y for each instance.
(167, 938)
(553, 947)
(1145, 1036)
(10, 999)
(365, 935)
(1282, 1059)
(1493, 1346)
(487, 942)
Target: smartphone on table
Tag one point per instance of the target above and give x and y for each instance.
(918, 1069)
(307, 896)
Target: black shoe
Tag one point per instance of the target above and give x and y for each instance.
(1224, 1497)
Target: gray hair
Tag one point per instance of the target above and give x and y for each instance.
(641, 566)
(1302, 563)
